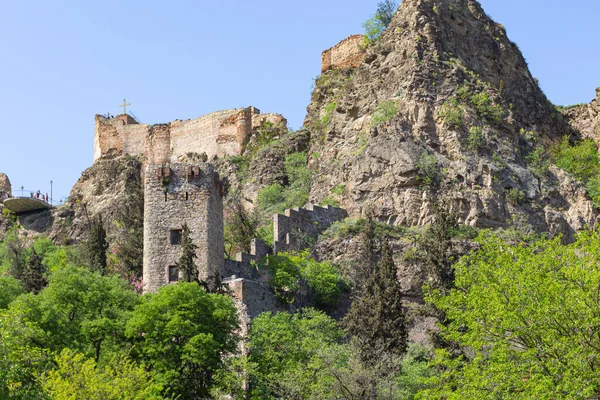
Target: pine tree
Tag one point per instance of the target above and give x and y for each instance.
(131, 245)
(95, 246)
(376, 319)
(366, 261)
(186, 264)
(34, 273)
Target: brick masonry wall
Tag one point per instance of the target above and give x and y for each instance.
(217, 134)
(175, 194)
(345, 54)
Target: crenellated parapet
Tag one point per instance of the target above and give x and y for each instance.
(297, 228)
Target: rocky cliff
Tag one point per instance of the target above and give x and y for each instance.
(442, 107)
(585, 118)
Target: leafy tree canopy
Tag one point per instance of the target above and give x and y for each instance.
(526, 318)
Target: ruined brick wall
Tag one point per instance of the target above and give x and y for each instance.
(175, 194)
(299, 227)
(257, 297)
(217, 134)
(345, 54)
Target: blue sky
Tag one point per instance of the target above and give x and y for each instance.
(64, 61)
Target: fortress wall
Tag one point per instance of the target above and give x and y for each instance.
(217, 134)
(158, 144)
(174, 195)
(134, 138)
(107, 137)
(201, 135)
(297, 227)
(345, 54)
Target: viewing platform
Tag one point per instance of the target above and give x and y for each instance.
(26, 203)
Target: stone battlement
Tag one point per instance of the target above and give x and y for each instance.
(345, 54)
(217, 134)
(299, 227)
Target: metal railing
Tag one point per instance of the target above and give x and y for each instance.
(32, 194)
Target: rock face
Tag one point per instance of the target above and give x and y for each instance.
(585, 119)
(5, 187)
(442, 107)
(109, 188)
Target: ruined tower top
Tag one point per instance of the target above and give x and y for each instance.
(176, 194)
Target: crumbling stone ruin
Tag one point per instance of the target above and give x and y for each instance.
(345, 54)
(250, 284)
(217, 134)
(176, 194)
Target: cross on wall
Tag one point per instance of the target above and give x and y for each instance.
(124, 105)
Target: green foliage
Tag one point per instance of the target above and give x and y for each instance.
(79, 309)
(186, 265)
(182, 333)
(10, 289)
(34, 273)
(291, 271)
(375, 25)
(323, 122)
(515, 196)
(290, 355)
(241, 226)
(21, 362)
(241, 165)
(329, 201)
(275, 198)
(526, 316)
(95, 245)
(581, 160)
(385, 111)
(537, 161)
(485, 107)
(453, 114)
(76, 377)
(339, 190)
(130, 246)
(351, 227)
(428, 170)
(475, 139)
(376, 318)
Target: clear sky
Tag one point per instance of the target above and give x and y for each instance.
(64, 61)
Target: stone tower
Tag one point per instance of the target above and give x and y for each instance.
(176, 194)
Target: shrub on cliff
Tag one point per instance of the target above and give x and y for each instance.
(375, 25)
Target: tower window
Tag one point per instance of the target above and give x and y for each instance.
(173, 274)
(176, 237)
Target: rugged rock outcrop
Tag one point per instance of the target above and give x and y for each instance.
(109, 188)
(443, 106)
(585, 118)
(5, 187)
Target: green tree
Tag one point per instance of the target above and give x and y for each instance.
(95, 246)
(293, 271)
(81, 310)
(183, 334)
(76, 377)
(12, 254)
(10, 289)
(34, 273)
(21, 362)
(376, 319)
(289, 354)
(131, 221)
(186, 263)
(241, 226)
(375, 25)
(526, 318)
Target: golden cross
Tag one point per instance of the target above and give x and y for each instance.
(124, 105)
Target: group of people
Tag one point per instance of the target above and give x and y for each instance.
(40, 196)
